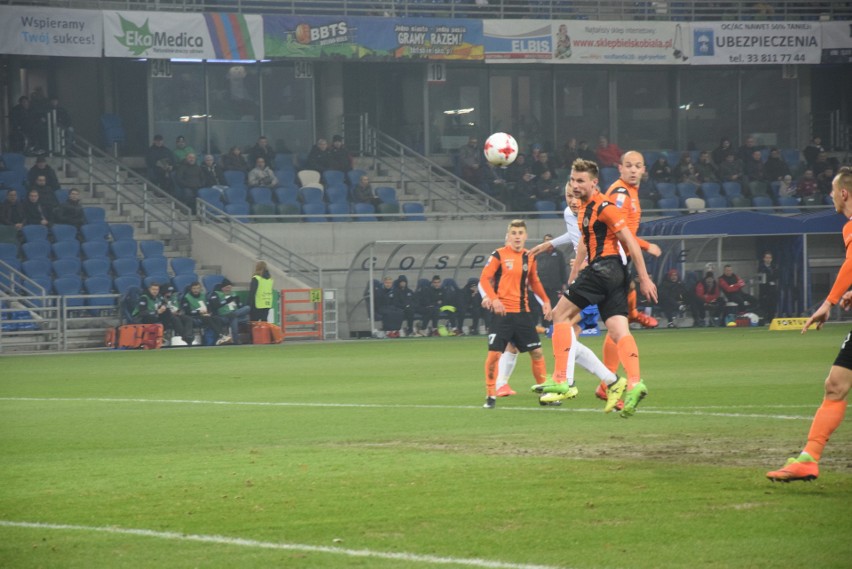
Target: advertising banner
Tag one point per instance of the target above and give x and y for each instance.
(640, 43)
(50, 31)
(755, 43)
(836, 42)
(372, 38)
(164, 35)
(507, 41)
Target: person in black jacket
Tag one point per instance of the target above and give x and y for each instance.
(71, 212)
(405, 299)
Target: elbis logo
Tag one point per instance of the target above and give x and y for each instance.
(139, 39)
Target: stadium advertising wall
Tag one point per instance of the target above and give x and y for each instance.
(756, 43)
(507, 41)
(39, 31)
(372, 38)
(836, 42)
(164, 35)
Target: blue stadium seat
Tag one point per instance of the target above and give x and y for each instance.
(152, 248)
(39, 249)
(762, 202)
(98, 285)
(123, 283)
(717, 202)
(8, 251)
(34, 233)
(62, 232)
(366, 211)
(15, 161)
(669, 205)
(235, 178)
(94, 214)
(732, 189)
(70, 285)
(337, 194)
(182, 282)
(123, 248)
(238, 210)
(66, 249)
(95, 249)
(61, 195)
(711, 190)
(69, 266)
(44, 283)
(211, 196)
(124, 266)
(261, 195)
(97, 266)
(287, 194)
(788, 204)
(341, 210)
(413, 211)
(354, 176)
(36, 268)
(183, 265)
(547, 209)
(333, 177)
(311, 194)
(210, 281)
(386, 194)
(667, 190)
(95, 231)
(236, 194)
(155, 266)
(121, 231)
(314, 212)
(161, 280)
(687, 190)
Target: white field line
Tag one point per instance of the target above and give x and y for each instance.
(687, 411)
(241, 542)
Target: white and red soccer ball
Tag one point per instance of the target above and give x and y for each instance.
(500, 149)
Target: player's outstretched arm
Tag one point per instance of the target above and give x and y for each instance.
(819, 317)
(541, 248)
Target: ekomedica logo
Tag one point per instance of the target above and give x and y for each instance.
(139, 39)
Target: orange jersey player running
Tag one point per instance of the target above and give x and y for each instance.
(513, 272)
(603, 281)
(624, 194)
(830, 414)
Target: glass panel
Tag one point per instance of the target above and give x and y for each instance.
(769, 107)
(582, 106)
(644, 110)
(457, 109)
(708, 107)
(522, 105)
(234, 105)
(179, 105)
(287, 108)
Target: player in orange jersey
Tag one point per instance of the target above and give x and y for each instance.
(624, 193)
(604, 281)
(830, 414)
(513, 272)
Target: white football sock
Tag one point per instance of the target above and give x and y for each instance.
(572, 357)
(505, 367)
(590, 362)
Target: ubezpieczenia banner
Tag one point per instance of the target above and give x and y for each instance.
(163, 35)
(43, 31)
(755, 43)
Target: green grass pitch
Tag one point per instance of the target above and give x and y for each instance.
(379, 454)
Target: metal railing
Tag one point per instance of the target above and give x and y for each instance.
(684, 10)
(130, 193)
(235, 231)
(428, 179)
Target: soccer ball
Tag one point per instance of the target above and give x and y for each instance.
(500, 149)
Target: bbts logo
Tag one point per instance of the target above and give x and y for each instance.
(305, 34)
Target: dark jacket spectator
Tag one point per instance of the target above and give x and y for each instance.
(661, 171)
(706, 170)
(34, 212)
(812, 151)
(12, 210)
(212, 172)
(753, 167)
(262, 149)
(42, 168)
(160, 162)
(318, 157)
(722, 150)
(189, 174)
(234, 160)
(775, 167)
(338, 156)
(71, 212)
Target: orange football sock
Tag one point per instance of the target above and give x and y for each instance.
(632, 313)
(628, 353)
(561, 347)
(610, 354)
(828, 417)
(539, 369)
(491, 373)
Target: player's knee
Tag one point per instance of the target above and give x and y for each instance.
(536, 354)
(838, 383)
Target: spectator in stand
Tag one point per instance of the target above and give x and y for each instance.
(63, 119)
(542, 164)
(224, 304)
(812, 151)
(193, 305)
(319, 156)
(745, 151)
(708, 300)
(386, 308)
(775, 167)
(12, 210)
(674, 298)
(721, 151)
(23, 124)
(767, 272)
(363, 192)
(706, 170)
(71, 212)
(493, 182)
(182, 150)
(470, 300)
(234, 160)
(734, 289)
(552, 272)
(548, 189)
(34, 212)
(731, 170)
(823, 180)
(406, 301)
(569, 152)
(262, 149)
(338, 156)
(685, 171)
(787, 187)
(470, 161)
(520, 186)
(214, 177)
(661, 172)
(753, 168)
(807, 190)
(160, 162)
(608, 154)
(823, 162)
(189, 178)
(648, 187)
(47, 196)
(260, 292)
(42, 168)
(261, 175)
(585, 152)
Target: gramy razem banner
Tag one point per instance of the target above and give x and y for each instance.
(50, 31)
(164, 35)
(755, 43)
